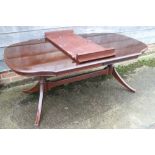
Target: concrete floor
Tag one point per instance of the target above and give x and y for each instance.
(94, 103)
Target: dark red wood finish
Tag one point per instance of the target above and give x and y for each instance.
(78, 48)
(42, 59)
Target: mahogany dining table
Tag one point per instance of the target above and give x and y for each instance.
(43, 59)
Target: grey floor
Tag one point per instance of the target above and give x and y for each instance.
(94, 103)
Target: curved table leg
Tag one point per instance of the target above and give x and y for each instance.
(120, 80)
(38, 115)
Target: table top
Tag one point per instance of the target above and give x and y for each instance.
(41, 58)
(78, 48)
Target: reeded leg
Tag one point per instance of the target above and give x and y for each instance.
(38, 115)
(120, 80)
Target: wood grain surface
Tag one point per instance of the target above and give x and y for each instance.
(41, 58)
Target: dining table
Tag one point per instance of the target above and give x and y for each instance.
(73, 57)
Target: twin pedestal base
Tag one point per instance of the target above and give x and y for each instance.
(44, 85)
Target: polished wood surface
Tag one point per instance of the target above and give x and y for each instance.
(41, 58)
(78, 48)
